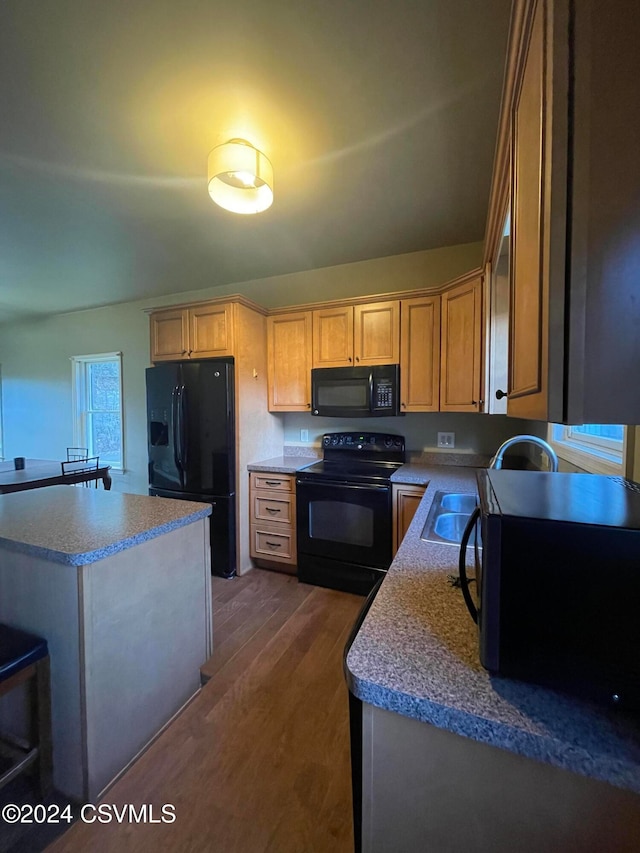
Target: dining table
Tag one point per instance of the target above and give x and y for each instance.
(38, 473)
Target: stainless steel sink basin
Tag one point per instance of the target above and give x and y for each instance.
(451, 525)
(459, 503)
(448, 517)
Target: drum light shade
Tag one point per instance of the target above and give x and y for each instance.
(240, 177)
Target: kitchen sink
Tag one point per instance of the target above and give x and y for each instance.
(448, 517)
(450, 526)
(459, 503)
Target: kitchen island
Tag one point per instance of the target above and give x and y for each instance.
(120, 587)
(454, 758)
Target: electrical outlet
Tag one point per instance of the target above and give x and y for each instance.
(304, 435)
(447, 439)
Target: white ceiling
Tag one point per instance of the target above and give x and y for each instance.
(379, 118)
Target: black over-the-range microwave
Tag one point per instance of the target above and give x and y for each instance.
(356, 392)
(557, 587)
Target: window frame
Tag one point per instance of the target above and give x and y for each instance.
(79, 388)
(591, 453)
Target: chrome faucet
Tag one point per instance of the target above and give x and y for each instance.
(496, 462)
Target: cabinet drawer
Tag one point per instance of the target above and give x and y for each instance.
(272, 545)
(274, 508)
(274, 482)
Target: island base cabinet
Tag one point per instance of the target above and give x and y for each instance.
(127, 636)
(429, 789)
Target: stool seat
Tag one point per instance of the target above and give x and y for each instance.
(19, 649)
(24, 664)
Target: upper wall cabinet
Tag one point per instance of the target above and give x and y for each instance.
(289, 362)
(420, 354)
(204, 331)
(461, 348)
(365, 334)
(573, 83)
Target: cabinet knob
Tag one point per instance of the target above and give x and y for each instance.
(500, 394)
(308, 405)
(350, 359)
(404, 405)
(357, 358)
(184, 352)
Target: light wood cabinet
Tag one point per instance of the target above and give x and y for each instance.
(406, 500)
(363, 334)
(571, 87)
(461, 348)
(376, 333)
(333, 337)
(420, 354)
(204, 331)
(289, 362)
(273, 520)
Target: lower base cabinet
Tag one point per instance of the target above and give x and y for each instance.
(406, 500)
(272, 515)
(428, 789)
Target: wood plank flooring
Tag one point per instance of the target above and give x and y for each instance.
(260, 759)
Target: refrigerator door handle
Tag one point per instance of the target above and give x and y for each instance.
(179, 439)
(184, 414)
(174, 426)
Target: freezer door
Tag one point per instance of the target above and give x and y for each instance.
(162, 401)
(205, 426)
(222, 528)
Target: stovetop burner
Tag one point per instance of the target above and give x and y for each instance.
(358, 457)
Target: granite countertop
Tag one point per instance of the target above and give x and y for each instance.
(417, 654)
(282, 464)
(77, 526)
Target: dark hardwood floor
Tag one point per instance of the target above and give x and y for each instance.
(259, 761)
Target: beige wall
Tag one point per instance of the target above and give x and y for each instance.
(36, 371)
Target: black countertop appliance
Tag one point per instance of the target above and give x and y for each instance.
(557, 592)
(191, 438)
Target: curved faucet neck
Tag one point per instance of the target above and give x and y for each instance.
(496, 462)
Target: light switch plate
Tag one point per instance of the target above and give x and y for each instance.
(446, 439)
(304, 435)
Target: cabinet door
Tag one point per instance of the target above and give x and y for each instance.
(377, 333)
(529, 293)
(420, 354)
(406, 500)
(289, 362)
(211, 331)
(169, 335)
(461, 348)
(333, 337)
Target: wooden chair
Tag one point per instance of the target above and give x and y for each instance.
(75, 453)
(81, 466)
(25, 658)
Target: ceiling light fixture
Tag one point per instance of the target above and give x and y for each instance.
(240, 177)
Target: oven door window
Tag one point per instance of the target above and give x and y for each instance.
(338, 521)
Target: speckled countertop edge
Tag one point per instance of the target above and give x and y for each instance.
(172, 511)
(282, 464)
(416, 654)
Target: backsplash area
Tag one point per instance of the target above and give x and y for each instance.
(475, 435)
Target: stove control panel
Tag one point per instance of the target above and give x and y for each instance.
(372, 442)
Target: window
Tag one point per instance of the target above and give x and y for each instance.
(599, 448)
(97, 406)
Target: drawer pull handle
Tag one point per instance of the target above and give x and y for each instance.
(272, 509)
(273, 482)
(274, 544)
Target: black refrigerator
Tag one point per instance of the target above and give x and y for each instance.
(191, 439)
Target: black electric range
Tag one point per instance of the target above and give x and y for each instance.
(344, 511)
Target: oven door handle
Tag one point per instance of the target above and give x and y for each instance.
(369, 487)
